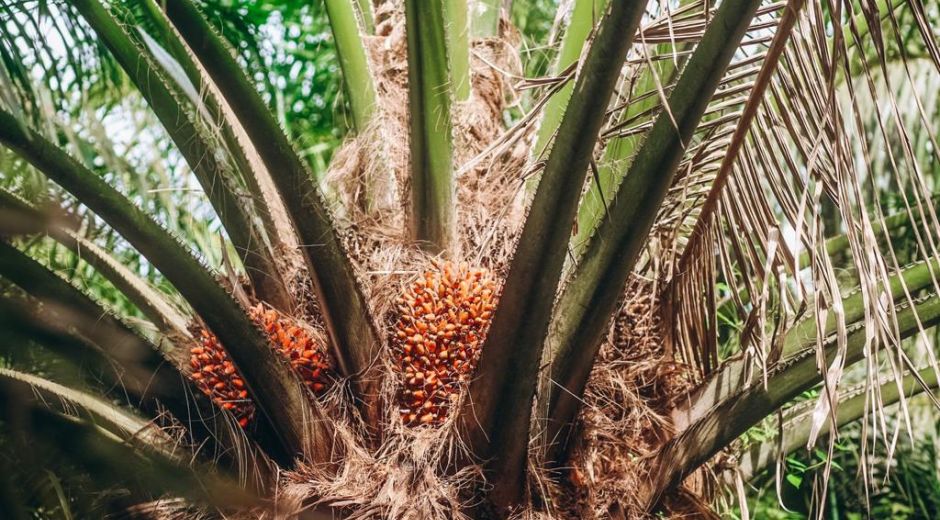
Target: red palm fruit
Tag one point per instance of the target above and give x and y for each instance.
(307, 356)
(438, 328)
(217, 377)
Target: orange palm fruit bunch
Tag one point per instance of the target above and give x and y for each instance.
(438, 329)
(216, 376)
(307, 356)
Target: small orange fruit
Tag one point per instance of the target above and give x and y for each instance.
(438, 328)
(216, 375)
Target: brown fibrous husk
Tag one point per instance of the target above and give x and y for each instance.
(625, 418)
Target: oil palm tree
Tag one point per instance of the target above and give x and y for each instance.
(565, 296)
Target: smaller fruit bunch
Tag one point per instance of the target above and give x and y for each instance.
(217, 377)
(439, 325)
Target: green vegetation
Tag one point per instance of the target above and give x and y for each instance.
(433, 258)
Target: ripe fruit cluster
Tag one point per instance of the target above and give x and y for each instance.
(217, 377)
(307, 357)
(215, 374)
(438, 329)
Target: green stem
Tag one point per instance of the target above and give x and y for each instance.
(359, 83)
(730, 378)
(619, 150)
(104, 414)
(352, 59)
(167, 318)
(496, 417)
(457, 27)
(485, 18)
(584, 14)
(796, 430)
(366, 15)
(590, 298)
(269, 206)
(120, 458)
(736, 414)
(72, 324)
(429, 98)
(892, 223)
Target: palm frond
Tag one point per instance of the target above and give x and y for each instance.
(785, 122)
(732, 416)
(485, 17)
(433, 215)
(216, 177)
(584, 14)
(205, 96)
(597, 283)
(803, 335)
(775, 239)
(276, 390)
(76, 327)
(352, 55)
(735, 220)
(27, 219)
(457, 27)
(795, 431)
(110, 444)
(116, 422)
(499, 409)
(355, 340)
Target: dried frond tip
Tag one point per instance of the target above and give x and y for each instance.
(438, 329)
